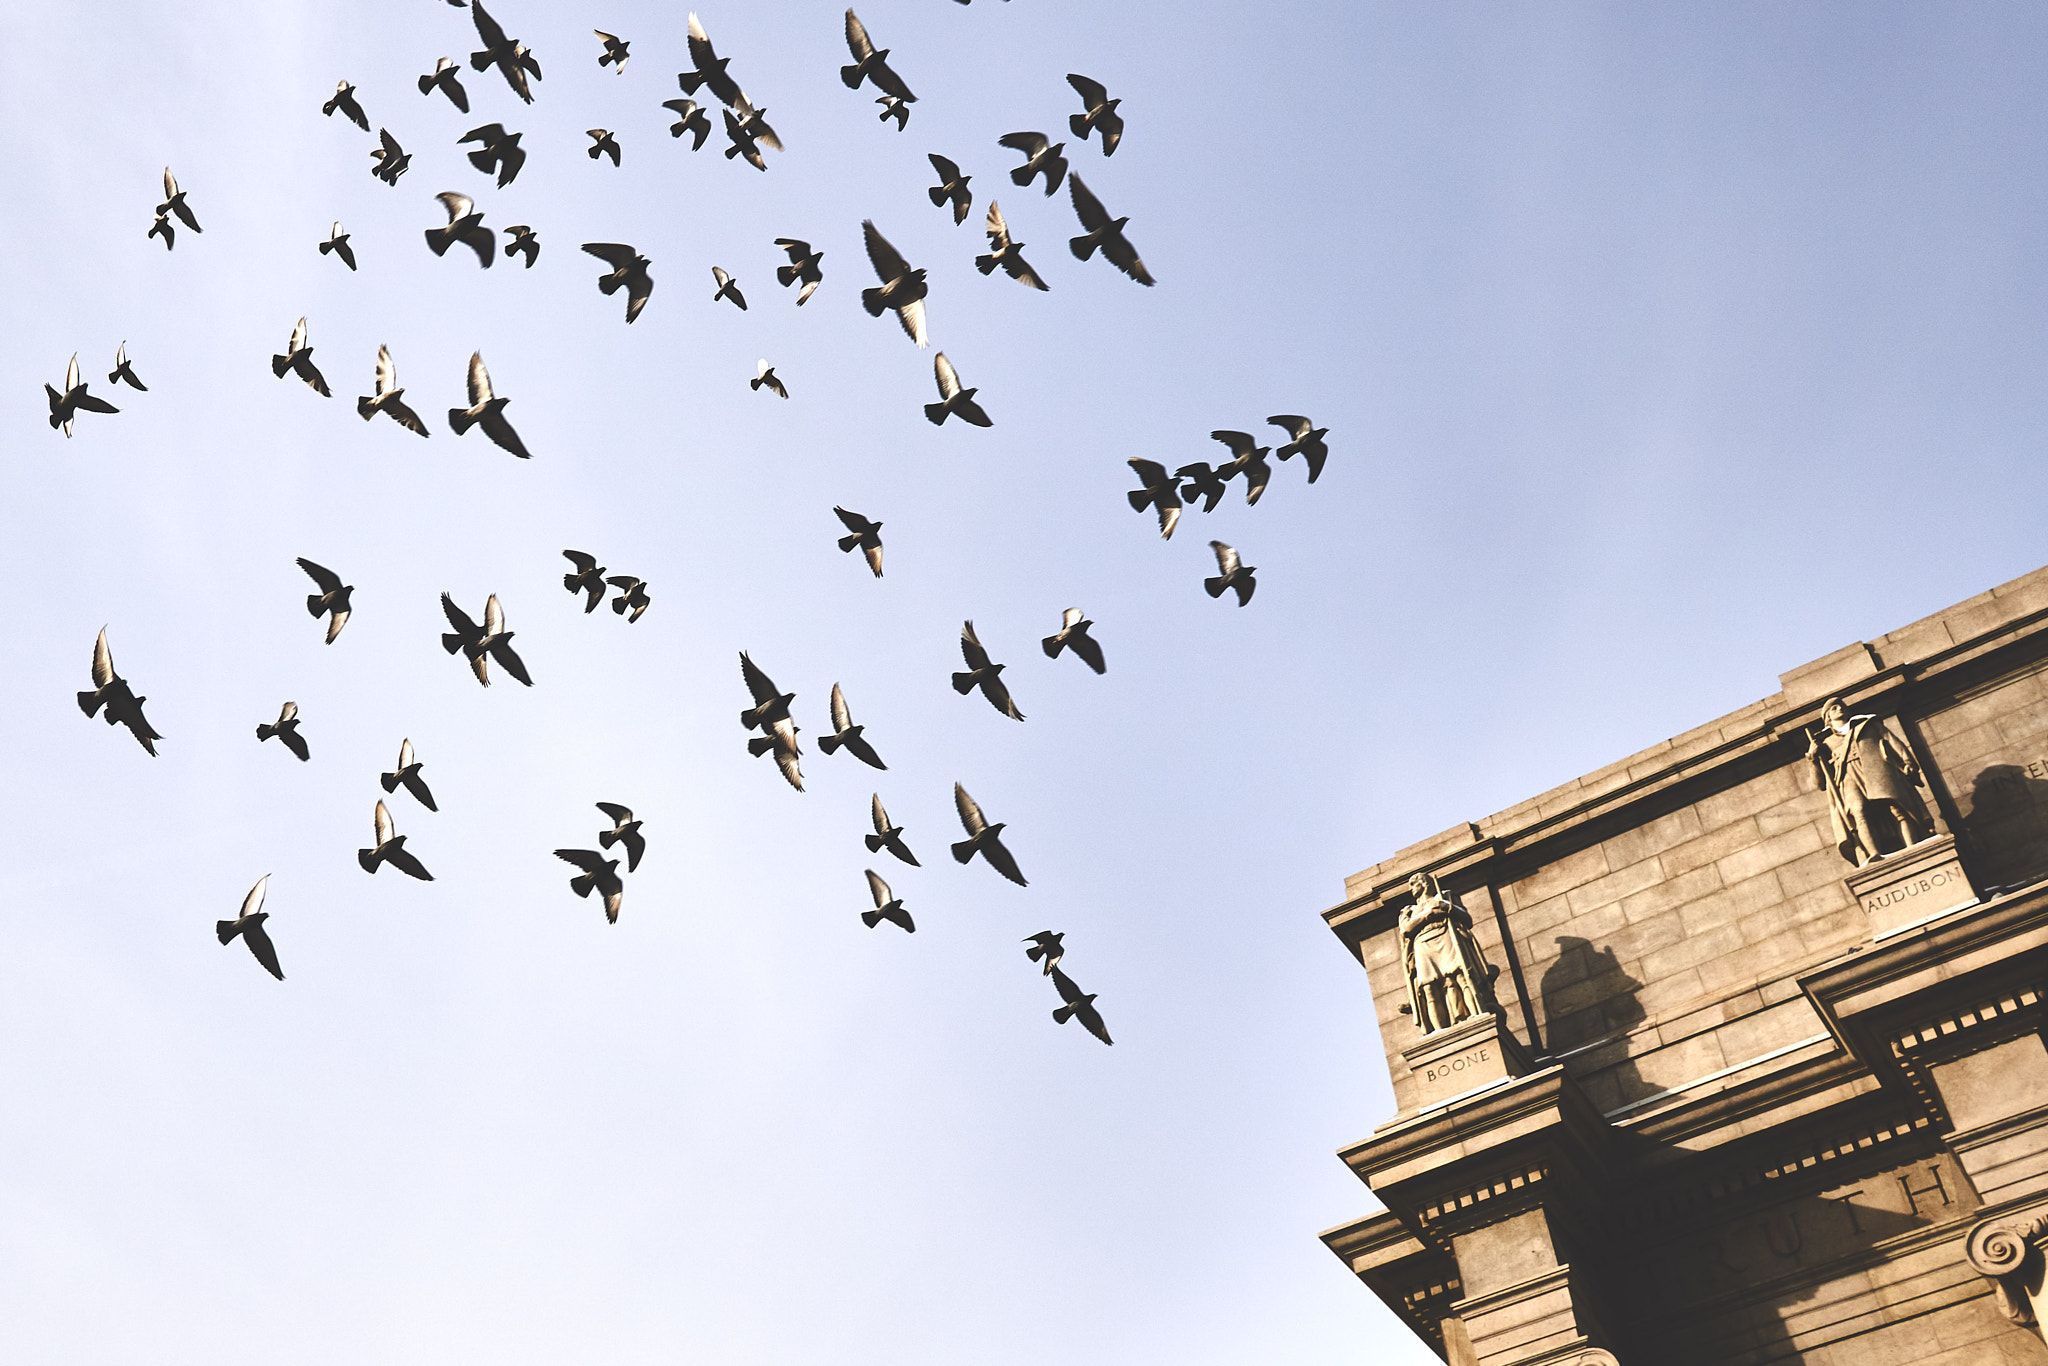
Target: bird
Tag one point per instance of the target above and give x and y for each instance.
(286, 728)
(863, 533)
(602, 143)
(689, 119)
(509, 55)
(485, 410)
(710, 68)
(728, 289)
(1045, 947)
(1004, 252)
(1236, 575)
(497, 150)
(587, 577)
(1073, 635)
(481, 644)
(337, 243)
(614, 54)
(1105, 233)
(65, 407)
(625, 830)
(111, 691)
(982, 838)
(628, 271)
(1079, 1006)
(390, 848)
(870, 64)
(298, 359)
(464, 225)
(887, 836)
(893, 108)
(523, 241)
(754, 122)
(844, 732)
(744, 144)
(248, 923)
(770, 716)
(389, 399)
(1250, 462)
(903, 289)
(122, 373)
(765, 377)
(632, 595)
(174, 202)
(332, 600)
(952, 185)
(887, 905)
(446, 77)
(980, 673)
(1307, 443)
(953, 400)
(803, 265)
(344, 99)
(1200, 483)
(391, 158)
(408, 775)
(1098, 112)
(599, 873)
(1159, 491)
(1040, 156)
(160, 226)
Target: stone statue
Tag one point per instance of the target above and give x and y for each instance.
(1449, 980)
(1871, 782)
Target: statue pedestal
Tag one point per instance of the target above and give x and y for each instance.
(1917, 884)
(1463, 1058)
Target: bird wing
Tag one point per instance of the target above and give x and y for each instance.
(1150, 471)
(489, 135)
(1069, 990)
(1241, 443)
(298, 341)
(1125, 258)
(970, 813)
(383, 825)
(479, 380)
(888, 262)
(296, 743)
(253, 902)
(387, 371)
(878, 814)
(499, 430)
(584, 563)
(392, 151)
(494, 617)
(1092, 93)
(286, 713)
(1086, 206)
(758, 683)
(509, 660)
(406, 417)
(911, 315)
(266, 952)
(947, 170)
(797, 249)
(1030, 144)
(883, 896)
(841, 717)
(326, 578)
(459, 619)
(1000, 859)
(949, 379)
(701, 51)
(170, 184)
(102, 661)
(458, 205)
(852, 521)
(616, 254)
(1226, 557)
(1294, 424)
(751, 116)
(589, 860)
(998, 694)
(486, 27)
(998, 231)
(970, 647)
(405, 754)
(1090, 650)
(619, 814)
(857, 41)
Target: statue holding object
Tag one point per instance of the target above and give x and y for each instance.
(1872, 784)
(1449, 979)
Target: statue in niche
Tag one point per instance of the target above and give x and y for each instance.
(1449, 979)
(1872, 784)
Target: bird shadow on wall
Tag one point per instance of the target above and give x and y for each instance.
(1588, 997)
(2007, 826)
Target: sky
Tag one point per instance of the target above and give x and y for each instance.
(1663, 348)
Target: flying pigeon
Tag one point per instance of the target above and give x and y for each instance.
(602, 143)
(65, 407)
(903, 289)
(298, 359)
(486, 410)
(174, 202)
(344, 99)
(628, 272)
(523, 242)
(1073, 635)
(497, 150)
(286, 728)
(863, 533)
(1098, 111)
(1079, 1006)
(980, 673)
(600, 874)
(389, 399)
(331, 601)
(982, 838)
(111, 691)
(952, 185)
(1045, 945)
(121, 373)
(1105, 233)
(1159, 491)
(248, 923)
(392, 159)
(744, 143)
(953, 400)
(632, 595)
(870, 64)
(1307, 443)
(1202, 484)
(844, 732)
(408, 775)
(887, 906)
(445, 77)
(689, 119)
(160, 226)
(1040, 157)
(1250, 462)
(480, 644)
(390, 848)
(765, 377)
(625, 830)
(770, 716)
(464, 225)
(509, 55)
(728, 289)
(614, 54)
(1236, 575)
(893, 108)
(337, 243)
(754, 123)
(588, 577)
(803, 265)
(887, 836)
(710, 69)
(1004, 252)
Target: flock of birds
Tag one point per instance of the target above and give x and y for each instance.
(901, 290)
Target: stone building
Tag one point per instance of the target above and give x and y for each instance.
(1732, 1052)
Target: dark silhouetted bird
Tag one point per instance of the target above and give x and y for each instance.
(754, 122)
(803, 265)
(770, 716)
(982, 838)
(1045, 946)
(893, 108)
(337, 243)
(480, 644)
(65, 407)
(1098, 111)
(587, 577)
(408, 776)
(863, 533)
(389, 398)
(174, 202)
(446, 77)
(392, 159)
(728, 289)
(600, 874)
(952, 185)
(632, 601)
(602, 144)
(464, 225)
(766, 378)
(509, 55)
(332, 601)
(523, 241)
(248, 923)
(628, 272)
(1079, 1006)
(160, 226)
(111, 691)
(486, 410)
(710, 69)
(1236, 575)
(1004, 252)
(870, 64)
(497, 150)
(625, 830)
(1250, 462)
(743, 143)
(286, 728)
(980, 673)
(887, 836)
(390, 848)
(344, 99)
(953, 400)
(1160, 490)
(844, 732)
(1104, 232)
(1073, 635)
(887, 906)
(1202, 484)
(689, 119)
(298, 359)
(122, 373)
(614, 54)
(1307, 443)
(1040, 157)
(903, 289)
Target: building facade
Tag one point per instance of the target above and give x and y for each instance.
(1732, 1052)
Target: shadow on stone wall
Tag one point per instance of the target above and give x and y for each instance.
(1587, 996)
(2007, 825)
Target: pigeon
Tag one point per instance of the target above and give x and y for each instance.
(1098, 111)
(744, 144)
(286, 729)
(1105, 233)
(887, 905)
(1250, 462)
(754, 123)
(1073, 635)
(710, 69)
(298, 359)
(689, 119)
(953, 400)
(728, 289)
(390, 848)
(770, 716)
(614, 54)
(952, 185)
(903, 289)
(389, 399)
(870, 64)
(625, 830)
(980, 673)
(446, 77)
(1307, 443)
(1045, 946)
(249, 925)
(160, 226)
(111, 691)
(1079, 1006)
(391, 159)
(65, 407)
(765, 377)
(844, 732)
(893, 108)
(486, 410)
(588, 577)
(628, 271)
(982, 838)
(121, 373)
(803, 265)
(481, 644)
(523, 241)
(599, 873)
(632, 594)
(863, 533)
(1004, 252)
(497, 151)
(509, 55)
(331, 601)
(602, 143)
(408, 775)
(887, 836)
(464, 225)
(1236, 575)
(337, 243)
(1159, 491)
(174, 202)
(1202, 484)
(344, 99)
(1039, 156)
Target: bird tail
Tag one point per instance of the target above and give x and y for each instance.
(755, 384)
(963, 684)
(450, 642)
(871, 300)
(609, 284)
(963, 851)
(225, 929)
(313, 604)
(280, 364)
(368, 858)
(867, 918)
(607, 838)
(1077, 122)
(938, 194)
(1021, 176)
(582, 883)
(1062, 1014)
(1082, 247)
(264, 730)
(460, 420)
(785, 276)
(1214, 587)
(829, 743)
(366, 408)
(873, 842)
(89, 703)
(426, 85)
(760, 745)
(847, 543)
(689, 81)
(1140, 498)
(619, 604)
(1052, 645)
(325, 247)
(935, 413)
(852, 75)
(437, 242)
(1035, 952)
(389, 780)
(985, 264)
